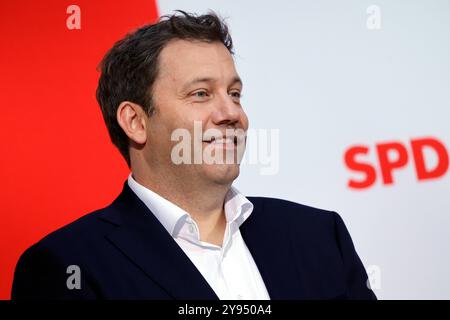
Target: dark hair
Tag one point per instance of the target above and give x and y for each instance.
(130, 67)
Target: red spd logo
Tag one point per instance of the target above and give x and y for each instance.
(387, 164)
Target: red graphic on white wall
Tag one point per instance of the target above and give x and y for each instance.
(392, 156)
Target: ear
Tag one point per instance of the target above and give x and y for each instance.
(132, 119)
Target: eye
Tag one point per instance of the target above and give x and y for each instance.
(200, 94)
(235, 94)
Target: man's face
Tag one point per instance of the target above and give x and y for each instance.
(197, 82)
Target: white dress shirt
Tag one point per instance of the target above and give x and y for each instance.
(230, 269)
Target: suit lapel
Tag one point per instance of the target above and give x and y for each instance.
(142, 238)
(271, 249)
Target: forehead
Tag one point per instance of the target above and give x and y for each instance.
(182, 60)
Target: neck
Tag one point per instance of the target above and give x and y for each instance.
(205, 203)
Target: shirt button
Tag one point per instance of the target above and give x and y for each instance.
(191, 228)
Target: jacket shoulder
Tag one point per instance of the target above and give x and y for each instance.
(73, 238)
(41, 271)
(281, 208)
(87, 226)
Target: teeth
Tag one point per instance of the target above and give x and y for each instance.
(222, 141)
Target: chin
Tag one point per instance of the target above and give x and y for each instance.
(222, 173)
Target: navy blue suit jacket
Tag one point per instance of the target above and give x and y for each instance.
(123, 252)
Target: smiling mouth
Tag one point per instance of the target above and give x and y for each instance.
(224, 141)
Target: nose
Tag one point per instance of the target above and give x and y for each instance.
(227, 112)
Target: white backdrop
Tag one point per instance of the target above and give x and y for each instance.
(330, 75)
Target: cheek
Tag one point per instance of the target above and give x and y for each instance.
(195, 115)
(176, 118)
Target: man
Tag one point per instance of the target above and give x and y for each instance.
(179, 230)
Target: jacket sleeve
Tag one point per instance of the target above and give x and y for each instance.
(356, 277)
(41, 275)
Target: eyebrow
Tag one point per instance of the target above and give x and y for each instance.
(235, 79)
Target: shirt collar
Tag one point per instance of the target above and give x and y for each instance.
(237, 207)
(168, 214)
